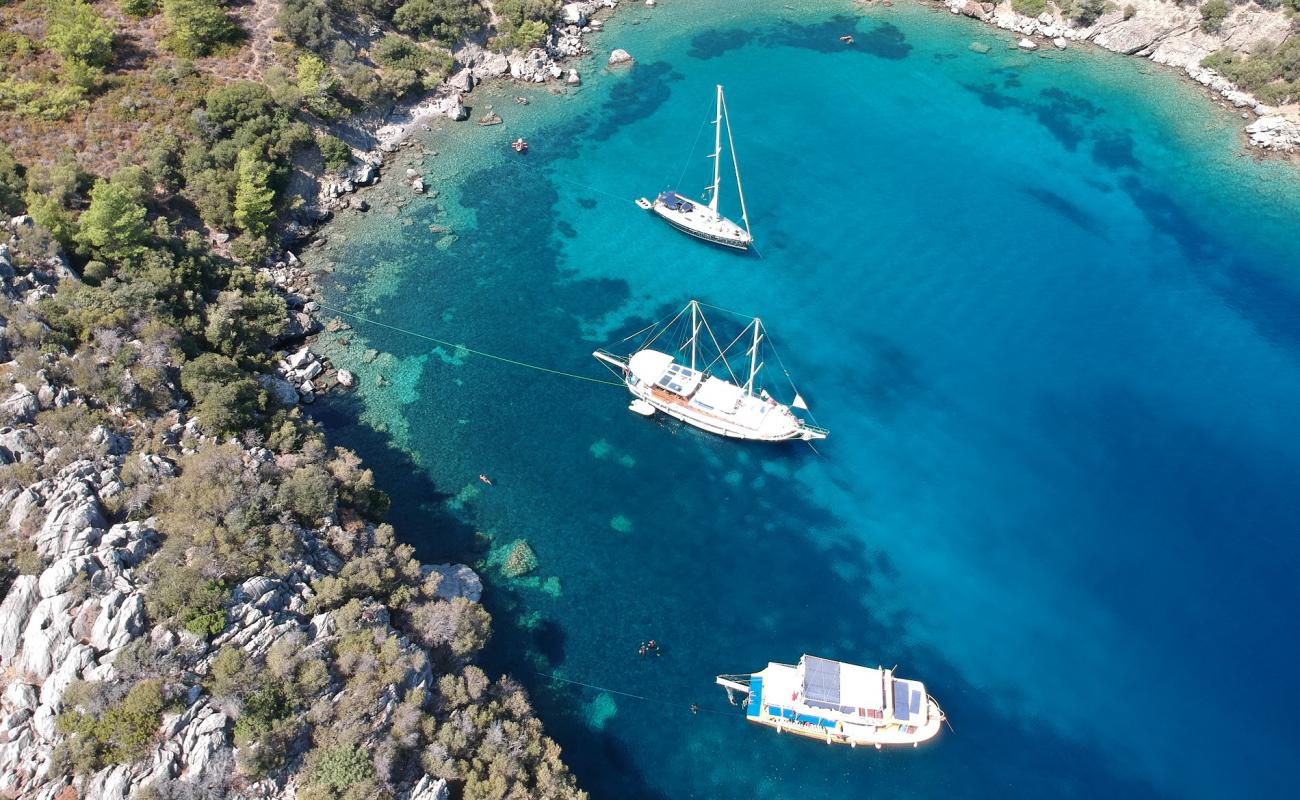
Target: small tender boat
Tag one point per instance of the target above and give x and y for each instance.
(703, 220)
(706, 392)
(519, 146)
(847, 39)
(838, 703)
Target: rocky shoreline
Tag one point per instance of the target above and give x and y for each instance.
(1168, 34)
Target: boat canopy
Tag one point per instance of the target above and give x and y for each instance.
(649, 365)
(841, 687)
(719, 395)
(659, 369)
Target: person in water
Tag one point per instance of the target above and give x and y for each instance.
(695, 708)
(485, 479)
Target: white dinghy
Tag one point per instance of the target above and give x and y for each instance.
(708, 395)
(704, 221)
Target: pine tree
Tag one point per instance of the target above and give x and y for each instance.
(254, 197)
(113, 228)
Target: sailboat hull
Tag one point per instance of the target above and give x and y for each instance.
(702, 223)
(779, 425)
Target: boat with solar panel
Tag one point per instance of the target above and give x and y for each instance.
(838, 703)
(704, 390)
(703, 220)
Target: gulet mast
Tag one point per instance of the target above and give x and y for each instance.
(695, 330)
(754, 366)
(717, 152)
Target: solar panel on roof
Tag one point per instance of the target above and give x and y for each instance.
(821, 680)
(902, 703)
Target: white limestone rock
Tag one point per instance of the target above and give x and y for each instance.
(18, 604)
(620, 56)
(21, 406)
(279, 390)
(430, 788)
(458, 580)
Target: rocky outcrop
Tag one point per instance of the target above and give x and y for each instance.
(70, 622)
(1275, 132)
(1170, 34)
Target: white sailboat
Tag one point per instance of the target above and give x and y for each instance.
(704, 221)
(708, 394)
(838, 703)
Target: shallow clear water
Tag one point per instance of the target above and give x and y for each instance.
(1046, 307)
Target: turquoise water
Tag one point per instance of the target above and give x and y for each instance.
(1047, 309)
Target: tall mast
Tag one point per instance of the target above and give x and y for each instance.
(753, 355)
(695, 329)
(717, 151)
(731, 144)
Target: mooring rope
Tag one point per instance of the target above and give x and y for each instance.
(694, 709)
(461, 347)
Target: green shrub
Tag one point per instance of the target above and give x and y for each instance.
(339, 768)
(335, 151)
(523, 23)
(1213, 13)
(113, 227)
(1029, 8)
(356, 486)
(1086, 12)
(198, 27)
(13, 182)
(227, 676)
(308, 492)
(444, 21)
(262, 709)
(306, 23)
(226, 399)
(139, 8)
(35, 100)
(1130, 11)
(181, 594)
(1272, 72)
(74, 30)
(120, 733)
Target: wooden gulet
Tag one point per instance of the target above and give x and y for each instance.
(693, 394)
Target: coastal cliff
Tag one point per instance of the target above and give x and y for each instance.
(1175, 35)
(190, 614)
(198, 596)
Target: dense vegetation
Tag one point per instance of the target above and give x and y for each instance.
(154, 318)
(1271, 72)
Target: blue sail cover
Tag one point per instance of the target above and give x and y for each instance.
(675, 201)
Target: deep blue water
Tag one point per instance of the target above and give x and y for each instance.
(1045, 305)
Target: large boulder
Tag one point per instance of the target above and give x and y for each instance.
(280, 390)
(23, 596)
(494, 65)
(430, 788)
(21, 406)
(620, 56)
(457, 580)
(300, 325)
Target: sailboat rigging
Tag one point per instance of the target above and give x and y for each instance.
(708, 394)
(705, 222)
